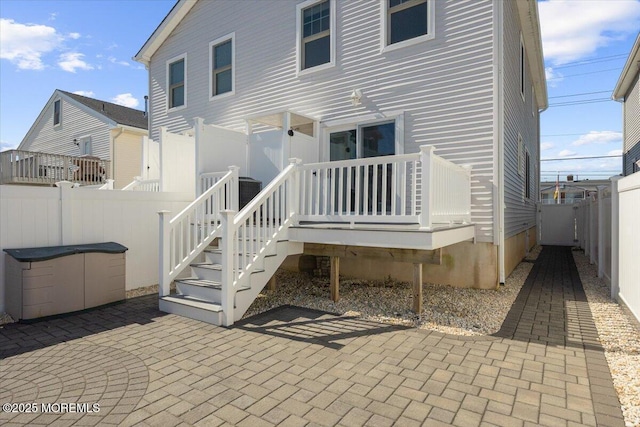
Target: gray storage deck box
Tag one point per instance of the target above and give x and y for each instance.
(60, 279)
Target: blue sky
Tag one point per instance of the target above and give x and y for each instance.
(86, 47)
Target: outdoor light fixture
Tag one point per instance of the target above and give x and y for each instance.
(355, 97)
(75, 141)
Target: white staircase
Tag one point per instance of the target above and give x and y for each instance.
(231, 255)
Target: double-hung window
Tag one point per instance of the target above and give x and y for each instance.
(222, 60)
(316, 28)
(407, 21)
(56, 112)
(176, 76)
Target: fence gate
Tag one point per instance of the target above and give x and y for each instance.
(558, 225)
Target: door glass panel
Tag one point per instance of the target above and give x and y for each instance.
(379, 140)
(342, 145)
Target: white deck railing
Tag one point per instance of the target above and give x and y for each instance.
(139, 184)
(187, 234)
(208, 179)
(387, 189)
(28, 167)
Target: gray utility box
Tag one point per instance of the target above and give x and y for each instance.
(60, 279)
(248, 189)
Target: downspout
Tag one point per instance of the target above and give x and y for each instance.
(498, 135)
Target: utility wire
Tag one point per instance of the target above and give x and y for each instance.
(570, 134)
(567, 104)
(584, 74)
(581, 158)
(591, 61)
(580, 94)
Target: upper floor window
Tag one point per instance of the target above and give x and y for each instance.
(86, 148)
(522, 68)
(56, 112)
(409, 21)
(222, 53)
(527, 176)
(316, 28)
(176, 76)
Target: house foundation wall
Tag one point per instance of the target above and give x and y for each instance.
(464, 265)
(516, 248)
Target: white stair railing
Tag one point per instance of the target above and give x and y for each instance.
(139, 184)
(253, 232)
(186, 235)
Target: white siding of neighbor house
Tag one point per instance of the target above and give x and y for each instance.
(632, 126)
(444, 86)
(521, 118)
(127, 158)
(76, 123)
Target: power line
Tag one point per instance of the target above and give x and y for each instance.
(571, 134)
(581, 158)
(584, 74)
(580, 94)
(593, 101)
(591, 61)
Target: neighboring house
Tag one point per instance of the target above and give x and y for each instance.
(362, 82)
(627, 91)
(570, 191)
(75, 125)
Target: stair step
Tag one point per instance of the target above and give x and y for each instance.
(194, 281)
(193, 309)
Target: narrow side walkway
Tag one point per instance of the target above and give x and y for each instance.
(552, 309)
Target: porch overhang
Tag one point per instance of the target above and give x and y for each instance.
(380, 236)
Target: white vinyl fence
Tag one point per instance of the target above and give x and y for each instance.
(608, 229)
(49, 216)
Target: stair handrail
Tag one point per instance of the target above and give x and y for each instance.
(184, 237)
(262, 221)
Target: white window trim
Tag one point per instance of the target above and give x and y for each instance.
(81, 144)
(522, 66)
(521, 157)
(55, 125)
(212, 44)
(332, 37)
(384, 29)
(168, 63)
(332, 126)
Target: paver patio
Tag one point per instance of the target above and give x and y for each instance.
(294, 366)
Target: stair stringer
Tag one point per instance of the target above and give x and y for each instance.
(259, 279)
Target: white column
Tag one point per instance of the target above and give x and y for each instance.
(164, 263)
(228, 293)
(600, 225)
(66, 212)
(198, 124)
(615, 237)
(426, 204)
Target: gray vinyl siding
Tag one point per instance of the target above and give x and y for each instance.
(75, 123)
(444, 86)
(520, 118)
(632, 127)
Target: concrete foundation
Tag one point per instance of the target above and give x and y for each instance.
(517, 247)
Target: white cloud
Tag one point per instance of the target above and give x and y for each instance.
(74, 36)
(546, 146)
(615, 153)
(24, 45)
(598, 137)
(53, 16)
(126, 99)
(115, 61)
(575, 29)
(553, 77)
(566, 153)
(7, 146)
(72, 61)
(87, 93)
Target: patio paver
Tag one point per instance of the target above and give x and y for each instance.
(295, 366)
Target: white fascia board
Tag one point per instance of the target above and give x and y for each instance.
(164, 30)
(629, 72)
(530, 24)
(130, 129)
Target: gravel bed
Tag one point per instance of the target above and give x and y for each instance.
(619, 337)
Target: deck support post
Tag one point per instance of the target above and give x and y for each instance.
(417, 288)
(335, 278)
(272, 283)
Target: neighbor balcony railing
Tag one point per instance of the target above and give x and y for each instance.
(139, 184)
(27, 167)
